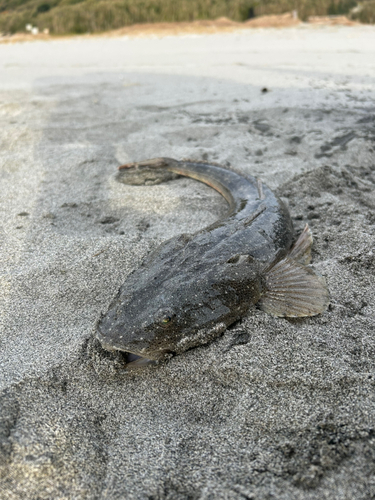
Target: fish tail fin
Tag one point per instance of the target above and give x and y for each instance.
(149, 172)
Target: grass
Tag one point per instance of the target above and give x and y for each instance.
(82, 16)
(366, 13)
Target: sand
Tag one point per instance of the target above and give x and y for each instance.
(274, 408)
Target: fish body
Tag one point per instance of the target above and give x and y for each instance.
(192, 287)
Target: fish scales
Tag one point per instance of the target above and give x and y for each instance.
(193, 286)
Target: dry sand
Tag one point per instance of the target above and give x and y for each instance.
(274, 408)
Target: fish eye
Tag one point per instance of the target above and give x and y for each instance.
(165, 318)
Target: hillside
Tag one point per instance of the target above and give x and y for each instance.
(82, 16)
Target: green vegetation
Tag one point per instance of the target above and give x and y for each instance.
(366, 13)
(81, 16)
(341, 8)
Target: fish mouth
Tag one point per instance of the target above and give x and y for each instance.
(132, 360)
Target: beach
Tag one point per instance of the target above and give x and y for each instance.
(274, 408)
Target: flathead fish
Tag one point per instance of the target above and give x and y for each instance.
(194, 286)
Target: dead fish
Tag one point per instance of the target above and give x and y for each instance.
(194, 286)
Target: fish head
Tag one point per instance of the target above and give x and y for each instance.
(156, 322)
(161, 311)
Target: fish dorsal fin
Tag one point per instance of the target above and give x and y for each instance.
(301, 250)
(293, 290)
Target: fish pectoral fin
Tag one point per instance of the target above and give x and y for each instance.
(301, 250)
(293, 290)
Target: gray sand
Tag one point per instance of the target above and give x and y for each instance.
(274, 408)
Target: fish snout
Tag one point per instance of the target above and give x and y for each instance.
(120, 338)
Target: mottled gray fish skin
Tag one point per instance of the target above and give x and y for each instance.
(193, 286)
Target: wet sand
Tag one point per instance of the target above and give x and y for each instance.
(274, 408)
